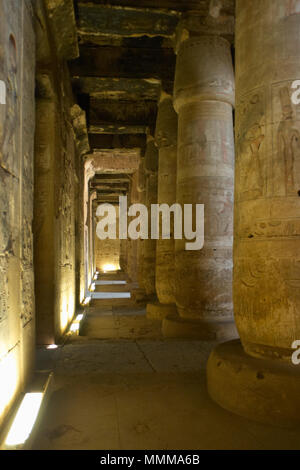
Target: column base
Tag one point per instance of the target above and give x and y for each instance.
(139, 295)
(158, 311)
(260, 390)
(174, 326)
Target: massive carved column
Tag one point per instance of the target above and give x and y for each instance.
(79, 124)
(149, 260)
(133, 244)
(140, 294)
(267, 208)
(89, 172)
(166, 141)
(92, 231)
(123, 255)
(203, 98)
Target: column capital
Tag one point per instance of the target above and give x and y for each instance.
(216, 21)
(204, 71)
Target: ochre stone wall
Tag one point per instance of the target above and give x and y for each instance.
(132, 251)
(107, 252)
(17, 118)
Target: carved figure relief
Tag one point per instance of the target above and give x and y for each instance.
(8, 136)
(288, 141)
(250, 140)
(66, 211)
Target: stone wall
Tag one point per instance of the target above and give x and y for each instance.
(17, 120)
(107, 252)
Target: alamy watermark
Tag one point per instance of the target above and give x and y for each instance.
(159, 224)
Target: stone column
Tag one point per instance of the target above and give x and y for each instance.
(267, 221)
(123, 255)
(149, 260)
(166, 141)
(89, 173)
(133, 244)
(79, 125)
(92, 231)
(203, 99)
(139, 294)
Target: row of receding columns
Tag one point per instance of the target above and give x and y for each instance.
(254, 376)
(166, 143)
(194, 149)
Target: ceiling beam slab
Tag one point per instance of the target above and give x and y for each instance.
(124, 62)
(118, 88)
(107, 20)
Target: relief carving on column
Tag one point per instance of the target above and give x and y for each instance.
(4, 297)
(10, 112)
(27, 307)
(287, 141)
(251, 119)
(66, 211)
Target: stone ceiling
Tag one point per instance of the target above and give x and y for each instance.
(126, 55)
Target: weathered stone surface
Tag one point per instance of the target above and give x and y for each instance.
(17, 119)
(141, 181)
(266, 249)
(79, 123)
(102, 20)
(158, 311)
(166, 141)
(63, 27)
(43, 224)
(124, 62)
(218, 21)
(110, 127)
(174, 326)
(141, 187)
(132, 245)
(151, 157)
(105, 187)
(121, 88)
(117, 141)
(149, 258)
(269, 389)
(267, 255)
(115, 163)
(123, 255)
(203, 97)
(181, 5)
(55, 202)
(136, 112)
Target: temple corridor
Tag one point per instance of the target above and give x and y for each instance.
(149, 224)
(120, 385)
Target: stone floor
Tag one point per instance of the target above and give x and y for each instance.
(142, 394)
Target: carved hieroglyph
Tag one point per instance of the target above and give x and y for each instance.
(267, 224)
